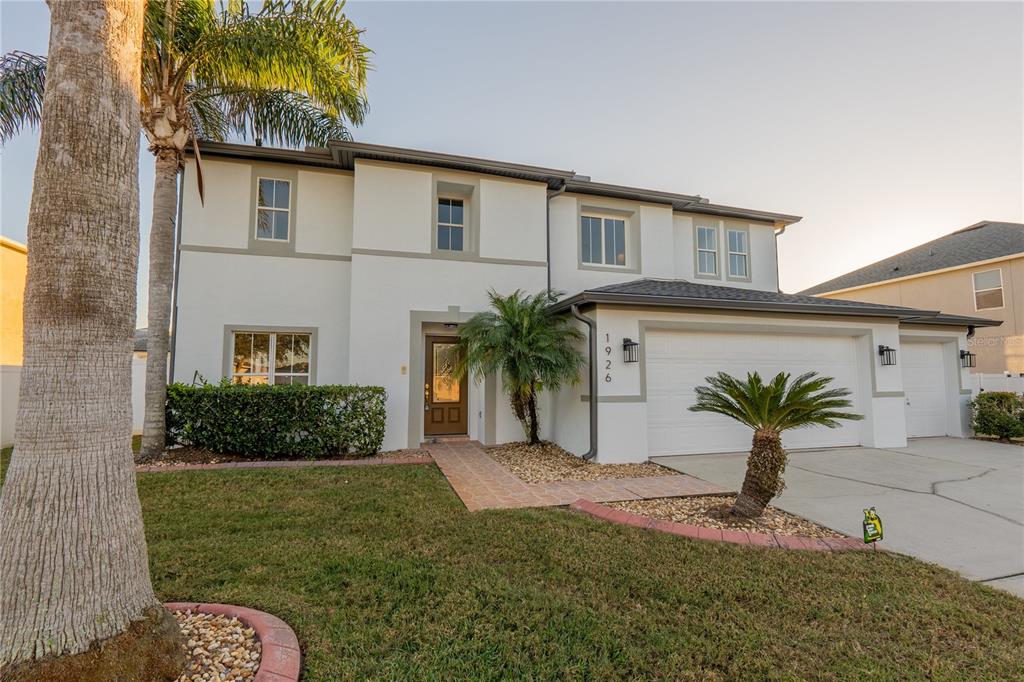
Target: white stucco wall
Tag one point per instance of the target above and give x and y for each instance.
(393, 208)
(232, 289)
(623, 415)
(512, 220)
(762, 262)
(323, 213)
(223, 220)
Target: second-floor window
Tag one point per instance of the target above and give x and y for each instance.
(603, 240)
(707, 251)
(273, 206)
(739, 254)
(450, 224)
(988, 289)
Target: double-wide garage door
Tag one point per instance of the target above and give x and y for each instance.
(678, 362)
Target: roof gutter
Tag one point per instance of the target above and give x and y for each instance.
(592, 337)
(551, 195)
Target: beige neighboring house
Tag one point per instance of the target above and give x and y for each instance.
(977, 271)
(13, 266)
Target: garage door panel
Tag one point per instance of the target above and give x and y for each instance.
(678, 362)
(924, 386)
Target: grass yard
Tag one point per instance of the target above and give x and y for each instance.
(384, 575)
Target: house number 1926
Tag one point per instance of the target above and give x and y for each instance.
(607, 363)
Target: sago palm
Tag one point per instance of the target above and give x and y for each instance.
(770, 409)
(530, 348)
(293, 73)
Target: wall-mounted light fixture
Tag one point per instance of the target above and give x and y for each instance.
(629, 350)
(967, 358)
(887, 355)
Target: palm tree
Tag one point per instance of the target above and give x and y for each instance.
(528, 346)
(293, 73)
(74, 570)
(769, 409)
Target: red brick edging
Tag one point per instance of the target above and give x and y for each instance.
(289, 464)
(737, 537)
(280, 659)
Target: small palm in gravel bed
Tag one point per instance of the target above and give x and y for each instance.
(769, 409)
(545, 462)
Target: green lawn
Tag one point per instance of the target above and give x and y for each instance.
(384, 575)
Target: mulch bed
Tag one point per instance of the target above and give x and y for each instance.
(220, 649)
(189, 455)
(711, 511)
(547, 462)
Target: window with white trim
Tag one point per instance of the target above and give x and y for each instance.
(988, 289)
(273, 208)
(451, 224)
(739, 253)
(252, 353)
(707, 251)
(603, 240)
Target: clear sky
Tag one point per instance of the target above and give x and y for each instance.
(884, 125)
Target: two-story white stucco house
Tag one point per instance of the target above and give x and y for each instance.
(357, 263)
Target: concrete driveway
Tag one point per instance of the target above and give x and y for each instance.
(955, 502)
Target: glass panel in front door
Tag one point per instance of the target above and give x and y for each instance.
(446, 387)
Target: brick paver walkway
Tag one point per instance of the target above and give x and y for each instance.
(482, 483)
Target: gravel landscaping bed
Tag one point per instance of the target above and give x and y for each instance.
(220, 648)
(711, 511)
(189, 455)
(547, 462)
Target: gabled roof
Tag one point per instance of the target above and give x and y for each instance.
(680, 293)
(343, 155)
(980, 242)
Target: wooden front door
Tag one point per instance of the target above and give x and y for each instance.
(444, 398)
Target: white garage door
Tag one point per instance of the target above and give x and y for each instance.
(924, 384)
(677, 362)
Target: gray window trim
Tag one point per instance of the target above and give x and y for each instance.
(745, 230)
(633, 237)
(229, 343)
(709, 225)
(444, 188)
(273, 247)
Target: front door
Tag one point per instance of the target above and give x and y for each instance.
(444, 398)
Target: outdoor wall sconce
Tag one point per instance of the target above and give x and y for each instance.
(887, 355)
(967, 358)
(629, 350)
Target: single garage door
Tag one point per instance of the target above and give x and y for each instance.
(924, 384)
(678, 362)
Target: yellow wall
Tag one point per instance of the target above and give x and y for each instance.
(999, 348)
(13, 264)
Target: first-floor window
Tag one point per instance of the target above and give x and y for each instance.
(270, 358)
(603, 240)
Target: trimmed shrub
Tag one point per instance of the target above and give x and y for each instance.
(277, 421)
(998, 413)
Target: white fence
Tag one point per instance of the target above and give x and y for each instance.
(997, 382)
(10, 382)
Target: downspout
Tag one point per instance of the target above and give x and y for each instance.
(592, 336)
(174, 278)
(551, 195)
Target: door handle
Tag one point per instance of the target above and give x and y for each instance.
(426, 397)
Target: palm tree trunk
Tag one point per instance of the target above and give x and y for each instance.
(73, 561)
(763, 479)
(531, 404)
(161, 273)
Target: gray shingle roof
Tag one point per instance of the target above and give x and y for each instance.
(979, 242)
(686, 294)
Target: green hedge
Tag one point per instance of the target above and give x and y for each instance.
(998, 413)
(277, 421)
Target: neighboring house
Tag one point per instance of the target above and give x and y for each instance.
(978, 270)
(357, 263)
(13, 266)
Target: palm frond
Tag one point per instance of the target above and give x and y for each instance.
(22, 81)
(282, 117)
(777, 406)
